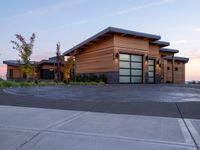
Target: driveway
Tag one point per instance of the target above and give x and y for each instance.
(115, 93)
(77, 122)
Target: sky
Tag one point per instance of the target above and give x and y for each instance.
(70, 22)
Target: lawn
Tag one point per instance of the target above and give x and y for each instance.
(7, 84)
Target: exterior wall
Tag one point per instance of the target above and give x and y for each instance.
(166, 54)
(131, 44)
(97, 58)
(100, 58)
(154, 52)
(47, 66)
(179, 75)
(16, 72)
(17, 75)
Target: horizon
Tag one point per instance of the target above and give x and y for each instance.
(70, 23)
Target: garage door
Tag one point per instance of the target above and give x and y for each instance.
(151, 71)
(131, 67)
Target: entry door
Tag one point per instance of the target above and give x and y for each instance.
(151, 71)
(130, 68)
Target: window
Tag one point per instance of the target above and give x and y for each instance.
(168, 68)
(176, 69)
(125, 72)
(124, 64)
(125, 57)
(11, 73)
(124, 79)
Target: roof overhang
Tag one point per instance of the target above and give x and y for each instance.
(13, 63)
(16, 63)
(169, 50)
(181, 59)
(108, 32)
(160, 43)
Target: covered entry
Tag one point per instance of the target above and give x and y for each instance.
(131, 68)
(47, 74)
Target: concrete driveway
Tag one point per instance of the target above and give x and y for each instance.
(31, 122)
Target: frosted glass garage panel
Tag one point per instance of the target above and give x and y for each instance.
(124, 72)
(136, 58)
(136, 72)
(151, 80)
(124, 79)
(150, 74)
(150, 68)
(136, 65)
(151, 62)
(136, 79)
(124, 64)
(124, 57)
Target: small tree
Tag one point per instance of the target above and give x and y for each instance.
(59, 61)
(25, 50)
(68, 69)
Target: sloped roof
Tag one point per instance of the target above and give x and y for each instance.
(16, 62)
(176, 58)
(108, 30)
(169, 50)
(49, 61)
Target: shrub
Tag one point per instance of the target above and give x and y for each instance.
(27, 83)
(91, 78)
(4, 84)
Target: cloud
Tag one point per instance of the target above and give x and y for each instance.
(179, 42)
(197, 30)
(140, 7)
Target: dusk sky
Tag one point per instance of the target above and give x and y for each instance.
(70, 22)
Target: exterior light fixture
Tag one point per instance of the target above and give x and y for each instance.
(115, 56)
(147, 58)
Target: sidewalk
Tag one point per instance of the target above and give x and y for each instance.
(48, 129)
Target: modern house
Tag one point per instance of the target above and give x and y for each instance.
(44, 69)
(125, 56)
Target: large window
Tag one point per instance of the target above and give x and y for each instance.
(131, 67)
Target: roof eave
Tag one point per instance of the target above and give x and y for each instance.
(113, 30)
(168, 50)
(160, 43)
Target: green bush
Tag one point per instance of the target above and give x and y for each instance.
(86, 83)
(27, 83)
(91, 78)
(7, 84)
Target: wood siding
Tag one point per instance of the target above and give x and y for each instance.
(97, 58)
(16, 72)
(179, 75)
(131, 43)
